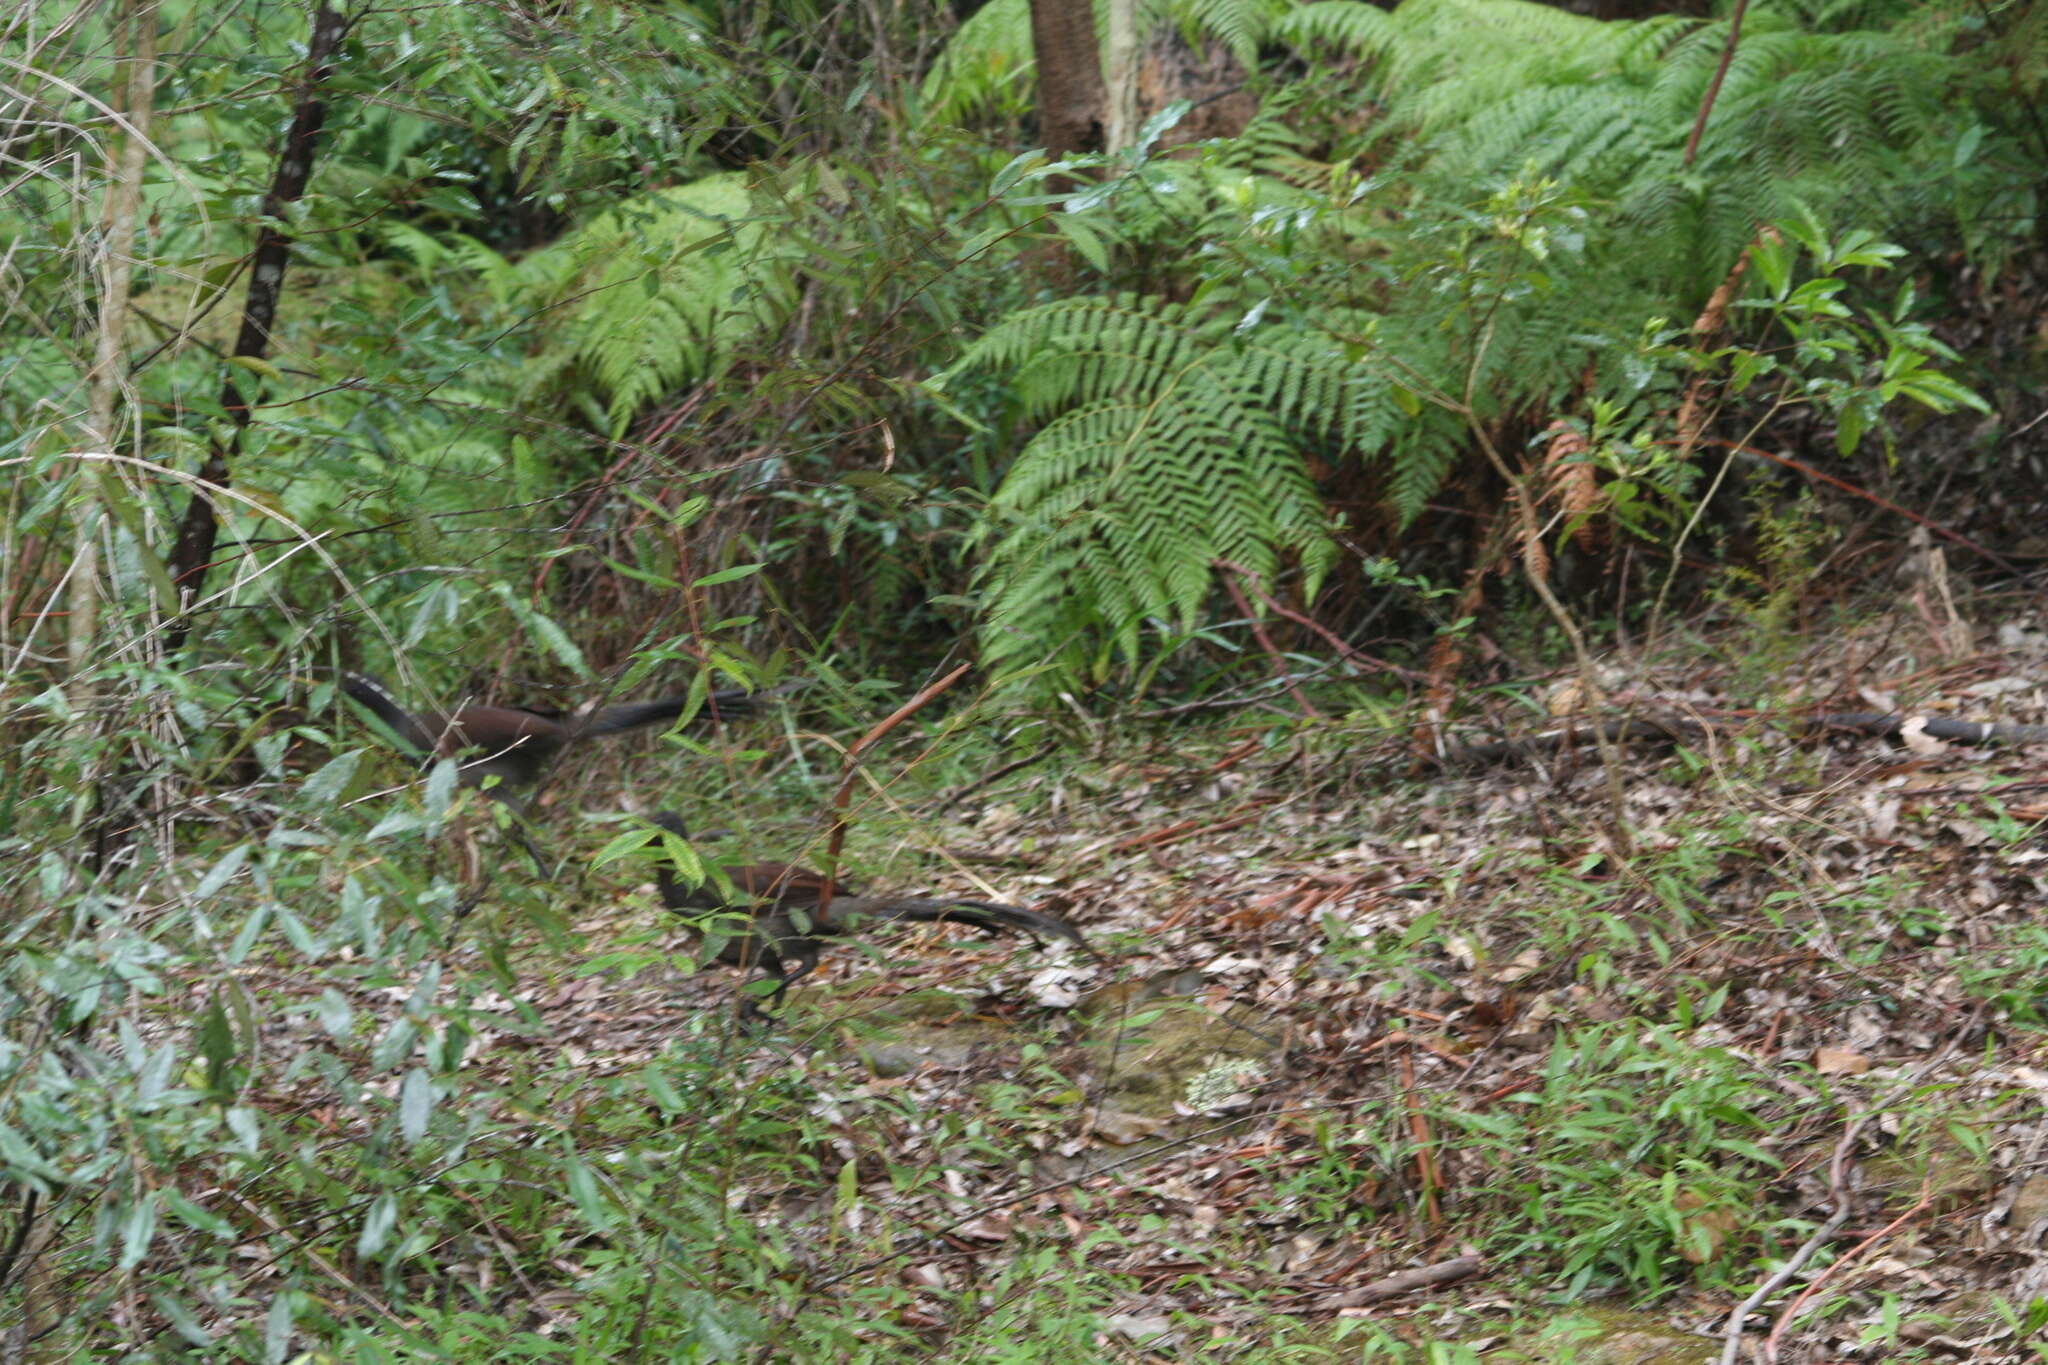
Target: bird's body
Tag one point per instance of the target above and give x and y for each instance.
(785, 916)
(514, 744)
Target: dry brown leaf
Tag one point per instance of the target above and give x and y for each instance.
(1839, 1061)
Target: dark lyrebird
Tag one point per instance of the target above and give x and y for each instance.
(515, 744)
(784, 922)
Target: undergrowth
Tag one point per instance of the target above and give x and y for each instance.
(304, 1093)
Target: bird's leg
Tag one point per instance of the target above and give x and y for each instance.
(522, 828)
(751, 1012)
(806, 962)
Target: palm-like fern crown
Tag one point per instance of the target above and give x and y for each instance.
(655, 294)
(1826, 120)
(1532, 212)
(1169, 446)
(986, 68)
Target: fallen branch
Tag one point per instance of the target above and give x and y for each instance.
(1279, 660)
(1813, 1286)
(1838, 1191)
(1185, 829)
(1309, 623)
(1820, 476)
(1425, 1145)
(1887, 725)
(955, 797)
(1408, 1281)
(1634, 730)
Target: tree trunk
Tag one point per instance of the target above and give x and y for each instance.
(193, 553)
(1120, 63)
(1070, 94)
(108, 376)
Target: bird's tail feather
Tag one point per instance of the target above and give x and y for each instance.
(728, 701)
(988, 916)
(376, 698)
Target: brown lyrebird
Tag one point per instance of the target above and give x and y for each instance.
(783, 920)
(515, 744)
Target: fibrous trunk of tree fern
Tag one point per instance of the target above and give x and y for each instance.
(1070, 90)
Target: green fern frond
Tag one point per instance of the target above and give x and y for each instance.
(1836, 119)
(1347, 25)
(1239, 25)
(985, 69)
(1172, 443)
(656, 294)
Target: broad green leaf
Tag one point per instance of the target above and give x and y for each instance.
(138, 1230)
(377, 1226)
(1850, 426)
(195, 1217)
(589, 1197)
(442, 780)
(1085, 239)
(415, 1103)
(737, 571)
(216, 1045)
(1013, 171)
(221, 873)
(256, 365)
(326, 785)
(277, 1328)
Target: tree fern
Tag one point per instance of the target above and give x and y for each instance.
(1239, 25)
(1171, 444)
(1531, 213)
(654, 295)
(986, 68)
(1841, 122)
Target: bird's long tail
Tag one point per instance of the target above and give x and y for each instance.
(374, 696)
(988, 916)
(631, 715)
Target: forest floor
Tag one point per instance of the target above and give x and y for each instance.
(1356, 1021)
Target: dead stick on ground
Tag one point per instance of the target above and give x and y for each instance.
(1307, 622)
(853, 758)
(1250, 747)
(954, 798)
(1185, 829)
(1838, 1190)
(1813, 1286)
(1408, 1281)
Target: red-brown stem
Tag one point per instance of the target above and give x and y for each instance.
(1425, 1147)
(1266, 643)
(860, 747)
(1699, 125)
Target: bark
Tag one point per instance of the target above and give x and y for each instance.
(1070, 90)
(200, 527)
(1207, 77)
(1120, 63)
(108, 376)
